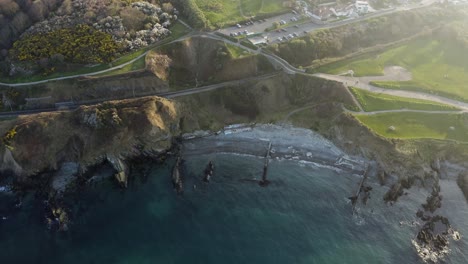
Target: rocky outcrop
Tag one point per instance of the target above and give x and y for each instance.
(177, 177)
(121, 169)
(432, 241)
(69, 142)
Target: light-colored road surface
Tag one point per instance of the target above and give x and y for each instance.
(171, 94)
(363, 83)
(75, 76)
(93, 73)
(256, 27)
(308, 25)
(391, 74)
(405, 111)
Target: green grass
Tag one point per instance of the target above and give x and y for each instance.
(410, 125)
(437, 67)
(236, 52)
(376, 102)
(177, 30)
(227, 12)
(134, 66)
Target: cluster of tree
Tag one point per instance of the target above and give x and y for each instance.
(81, 44)
(18, 15)
(350, 38)
(193, 13)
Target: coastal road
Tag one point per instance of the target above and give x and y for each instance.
(74, 76)
(288, 68)
(170, 94)
(310, 26)
(98, 72)
(364, 85)
(404, 111)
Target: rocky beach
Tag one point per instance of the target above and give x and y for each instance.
(306, 173)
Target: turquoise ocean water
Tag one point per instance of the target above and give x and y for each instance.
(303, 216)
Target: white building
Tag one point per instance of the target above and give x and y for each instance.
(362, 7)
(258, 40)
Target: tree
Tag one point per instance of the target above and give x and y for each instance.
(38, 11)
(132, 18)
(167, 7)
(20, 23)
(8, 8)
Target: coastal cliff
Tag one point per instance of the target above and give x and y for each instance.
(72, 142)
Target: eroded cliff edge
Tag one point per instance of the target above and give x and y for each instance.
(72, 142)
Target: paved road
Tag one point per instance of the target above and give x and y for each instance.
(309, 26)
(172, 94)
(405, 111)
(94, 73)
(74, 76)
(356, 82)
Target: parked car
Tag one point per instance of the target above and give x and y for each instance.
(284, 30)
(238, 26)
(295, 34)
(296, 26)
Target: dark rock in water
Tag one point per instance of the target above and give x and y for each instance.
(177, 177)
(434, 201)
(56, 215)
(395, 191)
(209, 170)
(353, 200)
(264, 182)
(432, 240)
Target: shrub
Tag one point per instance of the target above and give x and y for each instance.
(81, 44)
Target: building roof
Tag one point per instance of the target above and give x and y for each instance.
(258, 40)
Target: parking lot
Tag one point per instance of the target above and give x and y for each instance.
(257, 26)
(273, 36)
(290, 31)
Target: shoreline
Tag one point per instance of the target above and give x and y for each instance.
(288, 143)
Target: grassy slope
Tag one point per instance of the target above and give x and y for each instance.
(236, 52)
(375, 102)
(418, 125)
(223, 12)
(428, 60)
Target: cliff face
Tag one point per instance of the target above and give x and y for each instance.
(113, 131)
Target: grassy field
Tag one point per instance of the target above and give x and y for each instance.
(226, 12)
(418, 125)
(236, 52)
(437, 67)
(376, 102)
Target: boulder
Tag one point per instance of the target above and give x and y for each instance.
(121, 169)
